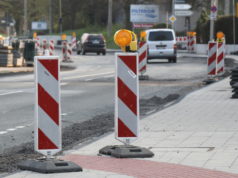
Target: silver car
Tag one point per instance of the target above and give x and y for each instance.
(162, 44)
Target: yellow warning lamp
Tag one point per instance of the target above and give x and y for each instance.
(126, 39)
(143, 36)
(34, 35)
(194, 33)
(220, 37)
(63, 37)
(73, 34)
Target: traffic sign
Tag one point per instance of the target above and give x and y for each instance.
(172, 19)
(182, 6)
(184, 13)
(213, 14)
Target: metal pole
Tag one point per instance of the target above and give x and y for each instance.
(234, 22)
(25, 18)
(212, 20)
(173, 25)
(50, 16)
(109, 19)
(60, 16)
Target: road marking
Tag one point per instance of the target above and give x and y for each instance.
(64, 83)
(3, 132)
(12, 129)
(83, 76)
(11, 92)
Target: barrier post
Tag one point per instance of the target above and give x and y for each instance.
(220, 58)
(44, 46)
(126, 100)
(47, 132)
(51, 47)
(211, 62)
(38, 46)
(69, 52)
(64, 51)
(142, 52)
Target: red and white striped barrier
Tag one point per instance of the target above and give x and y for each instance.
(38, 45)
(127, 97)
(64, 51)
(143, 47)
(44, 46)
(220, 58)
(51, 47)
(47, 106)
(181, 39)
(74, 42)
(69, 52)
(212, 56)
(193, 43)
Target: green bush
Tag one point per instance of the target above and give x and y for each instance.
(223, 24)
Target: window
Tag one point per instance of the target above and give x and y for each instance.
(161, 36)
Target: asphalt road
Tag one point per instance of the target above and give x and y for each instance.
(88, 92)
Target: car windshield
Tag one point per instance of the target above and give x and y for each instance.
(95, 37)
(161, 36)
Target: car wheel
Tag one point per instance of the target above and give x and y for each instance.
(104, 53)
(78, 52)
(170, 60)
(98, 53)
(83, 52)
(175, 60)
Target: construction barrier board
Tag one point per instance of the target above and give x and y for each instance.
(143, 57)
(47, 105)
(127, 97)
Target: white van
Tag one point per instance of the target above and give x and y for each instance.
(162, 44)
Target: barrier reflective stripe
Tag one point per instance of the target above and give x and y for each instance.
(47, 107)
(52, 47)
(69, 51)
(127, 97)
(74, 42)
(212, 55)
(44, 46)
(143, 47)
(220, 58)
(64, 50)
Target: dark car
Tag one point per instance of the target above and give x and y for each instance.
(91, 43)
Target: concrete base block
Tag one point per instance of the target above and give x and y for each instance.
(49, 166)
(126, 151)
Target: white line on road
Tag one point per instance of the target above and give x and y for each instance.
(3, 132)
(83, 76)
(11, 92)
(12, 129)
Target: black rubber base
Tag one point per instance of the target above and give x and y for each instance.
(49, 166)
(143, 77)
(209, 81)
(126, 151)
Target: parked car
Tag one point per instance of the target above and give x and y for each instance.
(162, 44)
(91, 43)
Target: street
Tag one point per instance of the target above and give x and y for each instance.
(88, 99)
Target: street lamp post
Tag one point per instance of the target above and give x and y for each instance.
(173, 13)
(212, 19)
(25, 18)
(60, 16)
